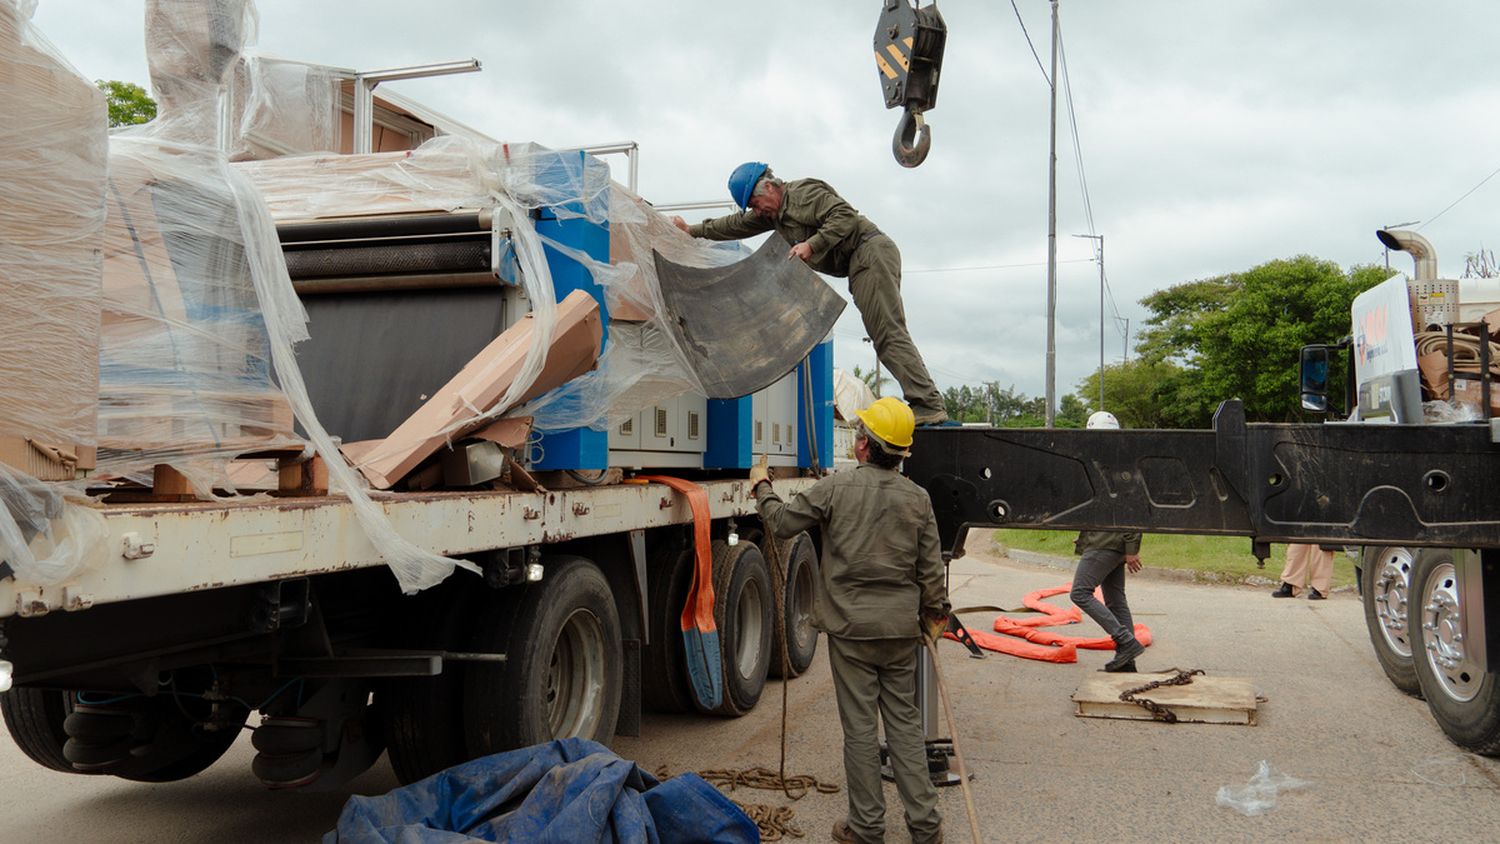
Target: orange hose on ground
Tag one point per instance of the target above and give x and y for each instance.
(1025, 638)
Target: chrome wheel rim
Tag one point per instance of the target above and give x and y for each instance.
(574, 688)
(801, 616)
(749, 617)
(1388, 591)
(1442, 634)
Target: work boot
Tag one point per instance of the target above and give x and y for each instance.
(843, 834)
(935, 419)
(1284, 591)
(1127, 668)
(1125, 653)
(1314, 595)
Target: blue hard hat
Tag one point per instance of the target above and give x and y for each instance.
(742, 181)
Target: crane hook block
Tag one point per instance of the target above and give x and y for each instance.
(909, 58)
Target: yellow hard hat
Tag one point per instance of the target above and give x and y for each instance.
(890, 420)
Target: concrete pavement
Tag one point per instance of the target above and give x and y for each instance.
(1379, 767)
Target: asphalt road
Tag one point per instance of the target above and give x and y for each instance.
(1379, 767)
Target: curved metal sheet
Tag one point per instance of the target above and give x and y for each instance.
(746, 325)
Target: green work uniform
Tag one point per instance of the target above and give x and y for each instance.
(881, 568)
(846, 244)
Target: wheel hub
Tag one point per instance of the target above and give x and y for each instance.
(1389, 592)
(574, 686)
(749, 617)
(1442, 628)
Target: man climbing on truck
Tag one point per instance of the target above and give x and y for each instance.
(833, 238)
(881, 587)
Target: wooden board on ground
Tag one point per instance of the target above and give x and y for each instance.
(1207, 700)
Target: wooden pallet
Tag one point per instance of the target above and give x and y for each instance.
(1206, 700)
(295, 476)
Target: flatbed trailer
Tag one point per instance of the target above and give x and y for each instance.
(147, 663)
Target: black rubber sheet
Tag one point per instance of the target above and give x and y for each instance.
(746, 325)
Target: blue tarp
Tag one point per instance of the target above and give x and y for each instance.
(567, 791)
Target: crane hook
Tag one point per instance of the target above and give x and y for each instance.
(912, 141)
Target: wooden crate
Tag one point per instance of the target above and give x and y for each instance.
(1207, 700)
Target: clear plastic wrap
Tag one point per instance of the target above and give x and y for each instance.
(284, 108)
(1258, 796)
(52, 159)
(52, 166)
(185, 355)
(641, 364)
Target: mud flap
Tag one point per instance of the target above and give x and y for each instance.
(744, 326)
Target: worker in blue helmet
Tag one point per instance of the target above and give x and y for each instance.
(836, 240)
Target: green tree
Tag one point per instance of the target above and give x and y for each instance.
(1143, 393)
(1072, 412)
(128, 102)
(1238, 335)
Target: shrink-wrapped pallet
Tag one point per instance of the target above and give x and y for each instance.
(52, 161)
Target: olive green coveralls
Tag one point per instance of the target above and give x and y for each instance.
(881, 568)
(846, 244)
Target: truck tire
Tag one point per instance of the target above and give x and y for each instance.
(1384, 586)
(801, 583)
(664, 686)
(563, 671)
(422, 717)
(34, 718)
(1464, 698)
(743, 612)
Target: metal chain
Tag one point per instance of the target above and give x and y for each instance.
(1159, 712)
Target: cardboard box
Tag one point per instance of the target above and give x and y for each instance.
(47, 462)
(53, 150)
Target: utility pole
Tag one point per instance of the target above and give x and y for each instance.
(1100, 238)
(876, 386)
(1125, 349)
(1052, 238)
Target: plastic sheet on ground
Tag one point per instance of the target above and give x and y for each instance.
(563, 791)
(1258, 796)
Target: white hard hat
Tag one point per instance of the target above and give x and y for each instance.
(1105, 420)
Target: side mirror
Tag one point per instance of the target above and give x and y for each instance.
(1314, 378)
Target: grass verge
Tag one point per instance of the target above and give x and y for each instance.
(1213, 558)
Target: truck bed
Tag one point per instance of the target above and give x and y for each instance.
(164, 549)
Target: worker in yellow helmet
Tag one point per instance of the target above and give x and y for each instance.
(880, 589)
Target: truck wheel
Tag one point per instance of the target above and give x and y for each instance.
(423, 717)
(801, 582)
(1462, 696)
(663, 667)
(34, 718)
(563, 671)
(743, 611)
(1385, 583)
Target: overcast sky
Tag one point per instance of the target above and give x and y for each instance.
(1215, 135)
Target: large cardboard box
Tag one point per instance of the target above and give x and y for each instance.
(53, 148)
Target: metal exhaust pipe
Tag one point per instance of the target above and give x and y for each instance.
(1422, 253)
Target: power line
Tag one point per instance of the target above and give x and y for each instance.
(1045, 78)
(1083, 182)
(1460, 199)
(993, 266)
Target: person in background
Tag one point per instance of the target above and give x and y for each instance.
(1306, 565)
(1104, 557)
